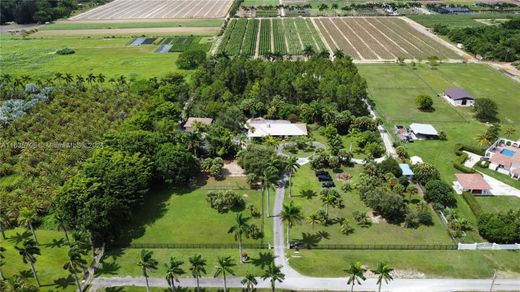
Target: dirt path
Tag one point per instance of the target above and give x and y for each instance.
(257, 47)
(116, 31)
(271, 35)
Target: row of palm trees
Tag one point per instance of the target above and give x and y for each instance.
(224, 267)
(67, 78)
(356, 273)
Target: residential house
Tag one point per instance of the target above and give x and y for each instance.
(472, 183)
(259, 127)
(504, 157)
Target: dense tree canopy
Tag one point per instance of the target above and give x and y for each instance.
(500, 227)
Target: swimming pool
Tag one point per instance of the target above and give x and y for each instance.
(507, 152)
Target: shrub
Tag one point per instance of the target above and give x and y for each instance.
(65, 51)
(473, 204)
(224, 202)
(500, 227)
(425, 172)
(346, 228)
(424, 102)
(439, 192)
(191, 59)
(486, 110)
(362, 219)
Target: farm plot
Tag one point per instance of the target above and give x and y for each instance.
(234, 42)
(279, 37)
(265, 37)
(380, 38)
(249, 42)
(181, 44)
(158, 9)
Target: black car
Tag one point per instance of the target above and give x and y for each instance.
(321, 172)
(324, 178)
(328, 184)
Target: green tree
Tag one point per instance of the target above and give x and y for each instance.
(292, 166)
(439, 192)
(175, 164)
(241, 228)
(198, 268)
(4, 222)
(29, 250)
(486, 110)
(355, 273)
(59, 219)
(383, 272)
(191, 59)
(270, 178)
(509, 131)
(291, 215)
(28, 217)
(425, 172)
(224, 266)
(148, 265)
(75, 261)
(424, 102)
(173, 271)
(2, 263)
(274, 274)
(249, 281)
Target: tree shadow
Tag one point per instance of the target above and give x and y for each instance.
(55, 243)
(108, 268)
(309, 240)
(19, 237)
(64, 282)
(25, 274)
(264, 259)
(308, 194)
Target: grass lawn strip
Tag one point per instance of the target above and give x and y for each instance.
(495, 204)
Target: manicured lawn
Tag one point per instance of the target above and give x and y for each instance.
(495, 204)
(378, 233)
(394, 88)
(123, 262)
(457, 264)
(115, 25)
(182, 216)
(36, 56)
(49, 265)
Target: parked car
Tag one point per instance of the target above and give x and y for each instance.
(324, 178)
(321, 172)
(328, 184)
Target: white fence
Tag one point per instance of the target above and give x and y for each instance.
(488, 246)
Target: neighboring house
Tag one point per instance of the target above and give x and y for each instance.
(423, 131)
(407, 171)
(472, 183)
(504, 157)
(191, 122)
(458, 97)
(259, 127)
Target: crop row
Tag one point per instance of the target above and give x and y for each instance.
(227, 35)
(237, 35)
(265, 37)
(293, 41)
(279, 37)
(306, 35)
(249, 43)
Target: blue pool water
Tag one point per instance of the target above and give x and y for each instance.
(508, 152)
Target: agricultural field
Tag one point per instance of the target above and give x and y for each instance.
(112, 56)
(257, 37)
(458, 20)
(79, 25)
(380, 38)
(157, 9)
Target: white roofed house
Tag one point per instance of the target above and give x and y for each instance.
(423, 131)
(459, 97)
(504, 157)
(192, 122)
(259, 127)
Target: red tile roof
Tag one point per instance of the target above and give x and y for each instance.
(472, 181)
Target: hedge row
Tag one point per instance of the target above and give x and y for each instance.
(473, 204)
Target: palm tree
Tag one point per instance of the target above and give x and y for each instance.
(240, 228)
(27, 217)
(270, 178)
(198, 268)
(328, 199)
(147, 264)
(68, 78)
(273, 273)
(509, 131)
(291, 215)
(355, 272)
(314, 219)
(101, 78)
(91, 78)
(29, 250)
(58, 76)
(2, 263)
(60, 221)
(223, 267)
(75, 261)
(249, 281)
(4, 222)
(384, 273)
(173, 271)
(483, 140)
(292, 166)
(308, 51)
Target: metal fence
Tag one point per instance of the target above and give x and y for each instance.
(387, 246)
(192, 245)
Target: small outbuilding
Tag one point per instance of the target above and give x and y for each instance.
(472, 183)
(407, 171)
(416, 160)
(423, 131)
(191, 122)
(459, 97)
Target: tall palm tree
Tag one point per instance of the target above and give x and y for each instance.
(173, 271)
(249, 281)
(147, 264)
(73, 263)
(58, 76)
(198, 268)
(4, 222)
(355, 273)
(314, 219)
(270, 177)
(308, 51)
(223, 267)
(101, 78)
(291, 215)
(383, 271)
(68, 78)
(2, 263)
(509, 131)
(483, 140)
(29, 250)
(273, 273)
(240, 228)
(27, 217)
(60, 221)
(328, 199)
(292, 166)
(91, 78)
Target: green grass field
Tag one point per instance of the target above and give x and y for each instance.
(453, 264)
(111, 56)
(457, 20)
(496, 204)
(49, 265)
(260, 2)
(378, 233)
(116, 25)
(182, 216)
